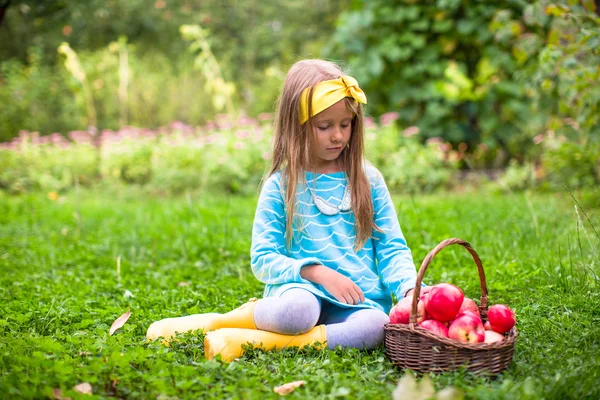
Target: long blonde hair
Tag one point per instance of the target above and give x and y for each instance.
(293, 146)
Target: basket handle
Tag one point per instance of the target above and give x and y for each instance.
(483, 304)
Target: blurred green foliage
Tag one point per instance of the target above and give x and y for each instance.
(254, 42)
(228, 158)
(475, 71)
(498, 81)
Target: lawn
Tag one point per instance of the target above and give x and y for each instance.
(70, 266)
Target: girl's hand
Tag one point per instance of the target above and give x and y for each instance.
(343, 289)
(339, 286)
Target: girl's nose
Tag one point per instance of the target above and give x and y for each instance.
(337, 135)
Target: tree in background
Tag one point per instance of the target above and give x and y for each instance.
(254, 42)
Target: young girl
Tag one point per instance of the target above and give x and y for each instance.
(326, 239)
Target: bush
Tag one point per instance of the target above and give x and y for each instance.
(409, 166)
(49, 163)
(575, 165)
(230, 156)
(518, 177)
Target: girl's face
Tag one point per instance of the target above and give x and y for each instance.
(332, 128)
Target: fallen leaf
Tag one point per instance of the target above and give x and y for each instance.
(184, 284)
(83, 388)
(409, 388)
(406, 388)
(288, 388)
(57, 395)
(426, 389)
(450, 393)
(119, 322)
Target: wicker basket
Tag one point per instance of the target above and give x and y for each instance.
(410, 346)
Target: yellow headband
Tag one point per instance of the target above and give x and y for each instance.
(327, 93)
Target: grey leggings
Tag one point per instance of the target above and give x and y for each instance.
(297, 311)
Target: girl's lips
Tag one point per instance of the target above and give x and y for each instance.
(334, 148)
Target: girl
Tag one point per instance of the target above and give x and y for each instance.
(325, 241)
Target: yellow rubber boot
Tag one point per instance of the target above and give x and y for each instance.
(228, 341)
(241, 317)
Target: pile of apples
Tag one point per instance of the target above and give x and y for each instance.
(443, 309)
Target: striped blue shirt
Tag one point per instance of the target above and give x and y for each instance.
(382, 267)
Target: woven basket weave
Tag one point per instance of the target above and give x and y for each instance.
(410, 346)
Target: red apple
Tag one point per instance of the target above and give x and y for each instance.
(444, 301)
(501, 318)
(421, 311)
(423, 295)
(474, 314)
(400, 313)
(469, 304)
(491, 337)
(487, 326)
(466, 328)
(435, 327)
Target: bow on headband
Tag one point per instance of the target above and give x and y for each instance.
(327, 93)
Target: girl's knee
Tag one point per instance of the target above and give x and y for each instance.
(296, 311)
(373, 329)
(299, 317)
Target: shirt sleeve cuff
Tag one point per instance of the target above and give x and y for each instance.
(406, 286)
(301, 263)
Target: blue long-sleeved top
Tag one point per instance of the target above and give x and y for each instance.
(381, 267)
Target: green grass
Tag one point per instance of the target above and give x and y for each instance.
(60, 292)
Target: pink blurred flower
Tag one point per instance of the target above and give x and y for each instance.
(462, 147)
(572, 122)
(445, 147)
(265, 117)
(223, 121)
(35, 137)
(80, 136)
(149, 133)
(56, 138)
(244, 120)
(483, 147)
(434, 140)
(369, 123)
(242, 134)
(238, 145)
(388, 118)
(411, 131)
(210, 139)
(181, 127)
(537, 139)
(224, 125)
